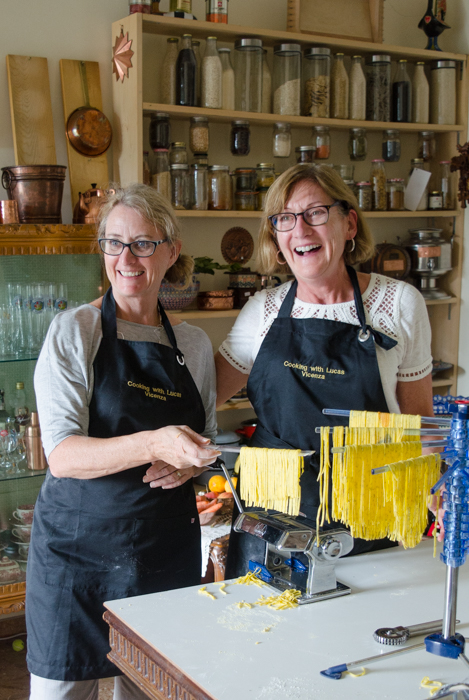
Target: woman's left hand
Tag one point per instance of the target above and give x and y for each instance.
(163, 475)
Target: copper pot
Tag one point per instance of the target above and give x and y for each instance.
(89, 203)
(38, 191)
(88, 129)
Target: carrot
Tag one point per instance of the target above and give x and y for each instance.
(202, 505)
(213, 508)
(211, 495)
(200, 499)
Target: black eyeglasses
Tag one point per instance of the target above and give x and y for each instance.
(315, 216)
(141, 249)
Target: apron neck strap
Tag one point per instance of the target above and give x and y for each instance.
(287, 305)
(109, 323)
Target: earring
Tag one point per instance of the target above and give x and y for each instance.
(279, 252)
(353, 246)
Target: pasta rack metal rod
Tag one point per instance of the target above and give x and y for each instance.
(439, 432)
(437, 420)
(236, 450)
(429, 443)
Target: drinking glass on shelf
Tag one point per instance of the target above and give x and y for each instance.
(7, 341)
(37, 315)
(8, 444)
(61, 301)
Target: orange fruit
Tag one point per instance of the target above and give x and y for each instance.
(217, 483)
(227, 487)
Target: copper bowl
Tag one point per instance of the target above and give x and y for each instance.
(89, 131)
(215, 301)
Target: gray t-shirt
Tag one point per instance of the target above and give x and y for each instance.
(63, 379)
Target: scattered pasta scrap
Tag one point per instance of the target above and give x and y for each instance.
(270, 478)
(432, 686)
(222, 588)
(356, 675)
(243, 604)
(267, 629)
(287, 599)
(203, 591)
(250, 579)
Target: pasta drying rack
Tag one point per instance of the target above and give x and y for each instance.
(448, 642)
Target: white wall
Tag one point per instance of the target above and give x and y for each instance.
(82, 30)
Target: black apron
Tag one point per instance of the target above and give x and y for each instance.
(112, 537)
(303, 366)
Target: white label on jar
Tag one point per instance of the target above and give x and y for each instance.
(435, 201)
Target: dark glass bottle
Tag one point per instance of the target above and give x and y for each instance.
(186, 68)
(401, 99)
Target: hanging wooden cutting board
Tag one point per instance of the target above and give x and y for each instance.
(84, 171)
(31, 110)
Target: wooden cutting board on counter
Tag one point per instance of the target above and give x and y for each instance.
(31, 110)
(83, 170)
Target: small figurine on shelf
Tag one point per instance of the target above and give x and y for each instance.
(433, 23)
(461, 163)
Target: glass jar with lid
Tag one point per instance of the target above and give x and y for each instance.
(281, 144)
(199, 187)
(266, 85)
(317, 81)
(178, 153)
(159, 130)
(378, 88)
(401, 101)
(378, 185)
(245, 179)
(435, 200)
(186, 69)
(168, 71)
(420, 95)
(198, 135)
(219, 188)
(240, 143)
(443, 92)
(261, 195)
(357, 104)
(161, 177)
(227, 79)
(340, 88)
(305, 154)
(357, 144)
(246, 201)
(287, 79)
(391, 145)
(322, 142)
(364, 195)
(180, 188)
(395, 194)
(211, 76)
(426, 147)
(200, 159)
(195, 43)
(248, 75)
(265, 174)
(420, 164)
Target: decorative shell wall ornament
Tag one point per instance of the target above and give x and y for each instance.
(122, 56)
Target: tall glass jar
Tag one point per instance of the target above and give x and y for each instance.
(199, 187)
(287, 79)
(248, 75)
(219, 188)
(180, 186)
(317, 82)
(178, 153)
(401, 100)
(245, 179)
(426, 148)
(186, 67)
(266, 85)
(445, 184)
(240, 142)
(357, 145)
(305, 154)
(322, 141)
(159, 130)
(198, 135)
(419, 164)
(168, 72)
(195, 43)
(420, 95)
(395, 194)
(281, 144)
(378, 88)
(211, 91)
(443, 92)
(161, 177)
(339, 88)
(265, 174)
(227, 80)
(391, 145)
(378, 185)
(357, 105)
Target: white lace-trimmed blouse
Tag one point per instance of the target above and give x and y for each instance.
(391, 306)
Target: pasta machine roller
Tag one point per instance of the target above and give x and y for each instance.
(284, 537)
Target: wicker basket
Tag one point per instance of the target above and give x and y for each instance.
(175, 297)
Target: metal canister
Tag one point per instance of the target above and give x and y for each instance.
(216, 11)
(430, 255)
(34, 450)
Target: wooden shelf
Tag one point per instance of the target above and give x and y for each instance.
(441, 302)
(241, 405)
(442, 382)
(196, 314)
(47, 239)
(169, 26)
(261, 119)
(234, 214)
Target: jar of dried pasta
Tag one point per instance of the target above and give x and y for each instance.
(378, 185)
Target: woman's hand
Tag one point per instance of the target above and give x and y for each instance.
(165, 476)
(180, 447)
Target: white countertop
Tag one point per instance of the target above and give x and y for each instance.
(215, 643)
